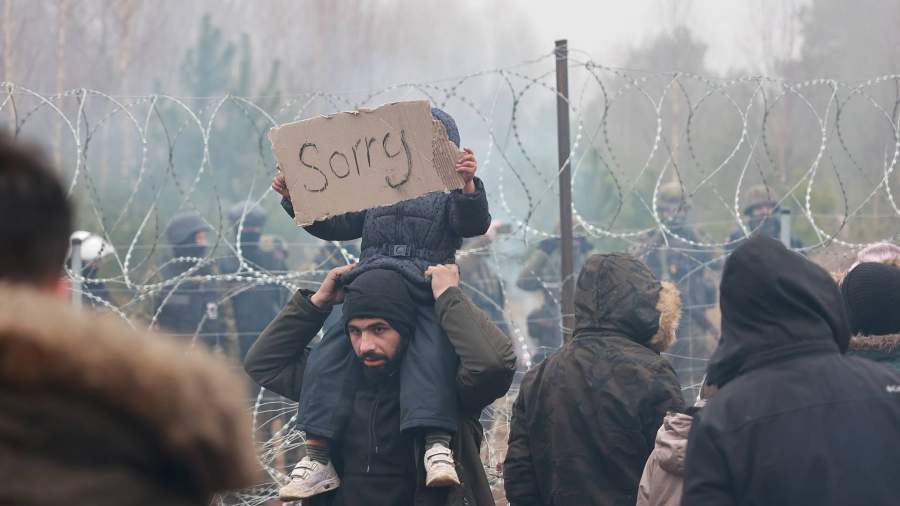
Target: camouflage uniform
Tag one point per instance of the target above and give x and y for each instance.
(692, 269)
(762, 214)
(481, 283)
(541, 273)
(586, 418)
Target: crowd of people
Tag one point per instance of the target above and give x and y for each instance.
(393, 358)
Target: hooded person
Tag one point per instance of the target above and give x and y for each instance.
(794, 420)
(663, 480)
(871, 293)
(586, 418)
(373, 461)
(661, 483)
(91, 412)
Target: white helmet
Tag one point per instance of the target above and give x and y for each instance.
(93, 247)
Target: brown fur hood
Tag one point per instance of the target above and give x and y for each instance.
(187, 408)
(883, 344)
(617, 294)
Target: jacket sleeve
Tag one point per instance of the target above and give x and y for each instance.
(532, 271)
(519, 478)
(664, 395)
(344, 227)
(288, 206)
(278, 357)
(469, 215)
(707, 479)
(487, 361)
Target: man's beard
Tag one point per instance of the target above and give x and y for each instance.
(379, 372)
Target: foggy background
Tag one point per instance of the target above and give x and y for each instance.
(138, 47)
(154, 107)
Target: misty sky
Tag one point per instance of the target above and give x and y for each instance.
(732, 29)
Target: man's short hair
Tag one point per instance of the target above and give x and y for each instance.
(35, 216)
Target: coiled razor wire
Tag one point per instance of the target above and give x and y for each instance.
(125, 163)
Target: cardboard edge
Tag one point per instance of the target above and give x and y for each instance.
(444, 154)
(444, 157)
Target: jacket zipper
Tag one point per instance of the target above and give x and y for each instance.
(373, 442)
(399, 226)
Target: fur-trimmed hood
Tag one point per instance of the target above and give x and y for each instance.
(616, 294)
(882, 344)
(95, 412)
(884, 349)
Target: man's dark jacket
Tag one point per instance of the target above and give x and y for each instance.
(586, 418)
(487, 364)
(795, 422)
(409, 236)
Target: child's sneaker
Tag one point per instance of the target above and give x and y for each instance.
(439, 468)
(309, 478)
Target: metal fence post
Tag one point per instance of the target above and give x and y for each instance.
(567, 292)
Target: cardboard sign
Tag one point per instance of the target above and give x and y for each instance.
(357, 160)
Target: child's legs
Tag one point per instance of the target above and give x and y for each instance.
(329, 382)
(428, 377)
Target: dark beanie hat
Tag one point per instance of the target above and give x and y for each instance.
(449, 124)
(872, 296)
(381, 293)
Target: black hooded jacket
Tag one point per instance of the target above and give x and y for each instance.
(586, 418)
(795, 422)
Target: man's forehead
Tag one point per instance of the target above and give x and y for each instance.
(363, 323)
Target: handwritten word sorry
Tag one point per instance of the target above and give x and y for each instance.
(341, 166)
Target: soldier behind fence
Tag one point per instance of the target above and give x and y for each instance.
(188, 307)
(763, 217)
(479, 276)
(255, 302)
(678, 256)
(541, 273)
